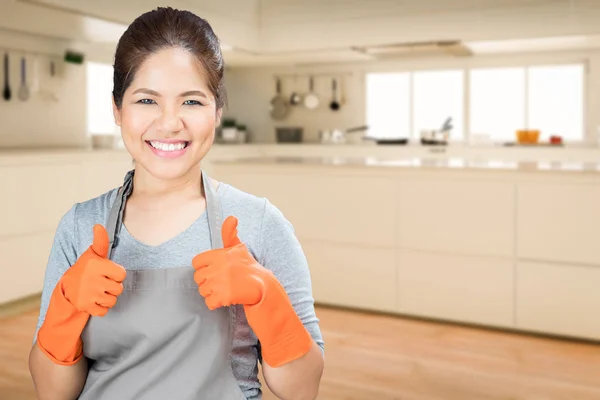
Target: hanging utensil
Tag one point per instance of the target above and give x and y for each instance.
(23, 89)
(342, 93)
(279, 106)
(6, 93)
(295, 97)
(334, 105)
(311, 100)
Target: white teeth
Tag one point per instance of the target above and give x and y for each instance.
(168, 147)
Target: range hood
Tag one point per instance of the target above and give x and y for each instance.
(417, 49)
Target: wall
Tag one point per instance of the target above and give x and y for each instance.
(251, 89)
(42, 121)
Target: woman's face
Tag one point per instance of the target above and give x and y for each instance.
(168, 114)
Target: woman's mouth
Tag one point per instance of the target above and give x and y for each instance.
(168, 149)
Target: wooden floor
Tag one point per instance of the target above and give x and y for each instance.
(374, 357)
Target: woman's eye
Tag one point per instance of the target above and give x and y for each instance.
(192, 103)
(146, 101)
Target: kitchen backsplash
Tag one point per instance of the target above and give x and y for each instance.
(54, 114)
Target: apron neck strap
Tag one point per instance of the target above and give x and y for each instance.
(213, 212)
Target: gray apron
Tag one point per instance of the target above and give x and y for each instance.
(160, 341)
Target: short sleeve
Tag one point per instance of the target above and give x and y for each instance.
(63, 254)
(281, 252)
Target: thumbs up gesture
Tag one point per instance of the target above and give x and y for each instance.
(229, 275)
(94, 282)
(89, 287)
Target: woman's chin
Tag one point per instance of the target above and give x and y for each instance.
(169, 168)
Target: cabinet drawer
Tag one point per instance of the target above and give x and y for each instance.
(35, 197)
(466, 289)
(461, 217)
(333, 208)
(23, 261)
(351, 276)
(558, 222)
(559, 299)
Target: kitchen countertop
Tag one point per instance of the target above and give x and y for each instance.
(433, 163)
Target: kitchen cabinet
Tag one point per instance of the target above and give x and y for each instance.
(332, 208)
(23, 262)
(445, 286)
(559, 222)
(557, 298)
(99, 176)
(473, 217)
(351, 276)
(511, 248)
(35, 196)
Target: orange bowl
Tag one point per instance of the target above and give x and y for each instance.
(527, 136)
(521, 136)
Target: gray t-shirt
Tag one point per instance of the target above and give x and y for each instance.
(262, 227)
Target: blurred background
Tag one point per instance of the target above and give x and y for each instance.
(439, 159)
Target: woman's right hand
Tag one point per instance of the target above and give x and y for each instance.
(94, 282)
(89, 287)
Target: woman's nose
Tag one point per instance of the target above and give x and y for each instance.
(170, 121)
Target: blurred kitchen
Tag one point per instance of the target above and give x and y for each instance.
(461, 136)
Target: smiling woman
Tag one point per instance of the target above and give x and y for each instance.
(173, 284)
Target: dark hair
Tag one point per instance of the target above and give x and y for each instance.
(162, 28)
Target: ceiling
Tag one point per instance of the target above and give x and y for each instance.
(259, 32)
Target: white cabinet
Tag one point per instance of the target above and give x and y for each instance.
(352, 276)
(559, 222)
(332, 208)
(445, 245)
(100, 176)
(458, 216)
(23, 262)
(559, 299)
(469, 289)
(35, 197)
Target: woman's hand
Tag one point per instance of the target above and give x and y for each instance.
(232, 276)
(89, 287)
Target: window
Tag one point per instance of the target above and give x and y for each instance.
(500, 101)
(388, 105)
(555, 100)
(497, 102)
(438, 95)
(548, 98)
(99, 99)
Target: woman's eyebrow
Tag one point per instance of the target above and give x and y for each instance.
(188, 93)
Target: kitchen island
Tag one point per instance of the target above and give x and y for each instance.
(496, 243)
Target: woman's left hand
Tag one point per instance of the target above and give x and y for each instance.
(230, 275)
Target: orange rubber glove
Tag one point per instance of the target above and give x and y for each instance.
(89, 287)
(232, 276)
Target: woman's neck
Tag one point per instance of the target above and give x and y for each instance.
(147, 185)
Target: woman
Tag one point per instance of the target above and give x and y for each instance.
(150, 293)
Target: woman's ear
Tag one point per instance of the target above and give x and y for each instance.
(116, 113)
(218, 117)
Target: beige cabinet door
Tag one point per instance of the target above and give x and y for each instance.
(457, 288)
(559, 299)
(23, 262)
(559, 222)
(351, 276)
(35, 197)
(461, 216)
